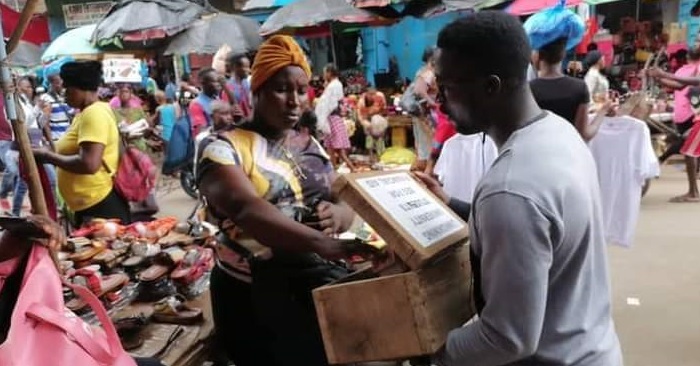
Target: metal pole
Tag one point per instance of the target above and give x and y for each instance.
(638, 5)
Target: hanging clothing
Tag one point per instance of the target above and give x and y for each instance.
(625, 158)
(464, 160)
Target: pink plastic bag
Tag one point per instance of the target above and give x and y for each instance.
(44, 332)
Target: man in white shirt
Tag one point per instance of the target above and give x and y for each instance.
(463, 161)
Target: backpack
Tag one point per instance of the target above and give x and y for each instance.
(180, 150)
(409, 101)
(135, 177)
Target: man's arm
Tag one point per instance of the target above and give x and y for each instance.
(516, 254)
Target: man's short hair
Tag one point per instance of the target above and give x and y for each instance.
(553, 52)
(493, 42)
(203, 73)
(235, 59)
(332, 69)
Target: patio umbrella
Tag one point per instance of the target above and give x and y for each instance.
(306, 13)
(147, 20)
(75, 42)
(206, 36)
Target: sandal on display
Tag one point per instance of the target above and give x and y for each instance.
(173, 310)
(91, 278)
(197, 261)
(163, 263)
(87, 252)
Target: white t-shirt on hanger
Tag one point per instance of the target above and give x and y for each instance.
(463, 161)
(625, 159)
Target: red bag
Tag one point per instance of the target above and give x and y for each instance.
(43, 332)
(136, 175)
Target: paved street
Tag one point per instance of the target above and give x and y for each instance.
(662, 271)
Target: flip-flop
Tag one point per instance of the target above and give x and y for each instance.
(173, 310)
(684, 199)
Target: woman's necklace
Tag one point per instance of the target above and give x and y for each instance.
(296, 168)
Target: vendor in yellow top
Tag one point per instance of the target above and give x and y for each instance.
(89, 147)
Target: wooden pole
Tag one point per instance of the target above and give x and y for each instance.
(36, 192)
(24, 19)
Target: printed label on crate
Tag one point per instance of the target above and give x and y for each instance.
(412, 206)
(122, 70)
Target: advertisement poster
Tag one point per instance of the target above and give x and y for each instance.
(122, 70)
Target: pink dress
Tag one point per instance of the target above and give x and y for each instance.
(338, 138)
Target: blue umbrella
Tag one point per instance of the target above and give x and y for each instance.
(76, 42)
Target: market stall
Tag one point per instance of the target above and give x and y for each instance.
(153, 278)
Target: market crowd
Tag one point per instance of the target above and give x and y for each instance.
(269, 140)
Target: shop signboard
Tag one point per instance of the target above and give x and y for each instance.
(692, 23)
(78, 15)
(122, 70)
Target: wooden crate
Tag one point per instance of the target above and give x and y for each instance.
(395, 317)
(414, 223)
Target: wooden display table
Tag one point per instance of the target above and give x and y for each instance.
(191, 348)
(399, 126)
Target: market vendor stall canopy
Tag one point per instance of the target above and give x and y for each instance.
(526, 7)
(147, 20)
(307, 13)
(207, 35)
(75, 42)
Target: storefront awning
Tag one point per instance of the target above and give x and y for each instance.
(525, 7)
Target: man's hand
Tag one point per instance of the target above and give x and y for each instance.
(433, 185)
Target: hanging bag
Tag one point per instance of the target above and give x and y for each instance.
(135, 177)
(43, 332)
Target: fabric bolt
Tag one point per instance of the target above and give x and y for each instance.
(561, 95)
(539, 259)
(464, 160)
(625, 159)
(61, 114)
(338, 138)
(682, 110)
(96, 124)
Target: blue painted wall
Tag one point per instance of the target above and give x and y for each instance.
(406, 40)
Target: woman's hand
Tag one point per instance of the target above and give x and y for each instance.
(433, 185)
(334, 218)
(41, 155)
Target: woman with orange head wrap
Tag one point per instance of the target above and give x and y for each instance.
(267, 184)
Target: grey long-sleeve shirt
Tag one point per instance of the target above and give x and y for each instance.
(537, 236)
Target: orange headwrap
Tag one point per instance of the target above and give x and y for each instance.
(275, 54)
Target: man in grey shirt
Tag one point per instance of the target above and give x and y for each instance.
(542, 286)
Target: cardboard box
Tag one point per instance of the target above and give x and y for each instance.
(395, 317)
(414, 223)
